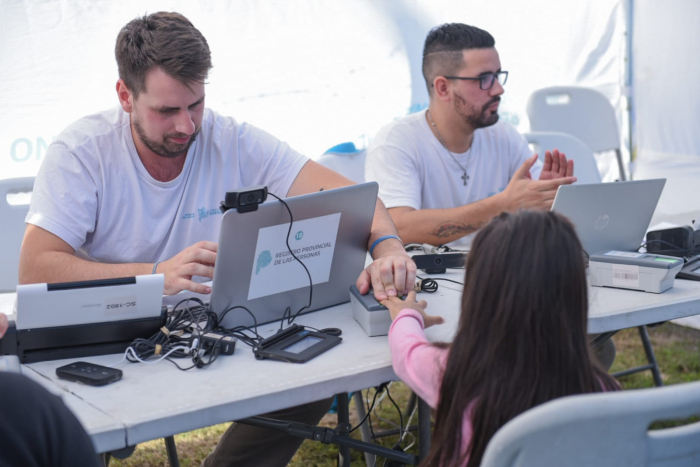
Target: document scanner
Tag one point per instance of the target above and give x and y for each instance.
(636, 271)
(79, 319)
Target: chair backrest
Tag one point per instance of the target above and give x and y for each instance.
(601, 430)
(582, 112)
(12, 230)
(585, 166)
(347, 160)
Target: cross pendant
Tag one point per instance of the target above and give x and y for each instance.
(465, 177)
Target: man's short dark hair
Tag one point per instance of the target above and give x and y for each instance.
(161, 40)
(442, 53)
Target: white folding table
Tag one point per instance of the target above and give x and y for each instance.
(156, 401)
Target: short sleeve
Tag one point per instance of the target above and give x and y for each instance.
(265, 160)
(392, 165)
(65, 197)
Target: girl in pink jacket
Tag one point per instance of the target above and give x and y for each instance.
(521, 339)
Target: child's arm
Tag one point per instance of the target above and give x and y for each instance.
(418, 363)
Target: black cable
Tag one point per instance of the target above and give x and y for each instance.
(675, 247)
(398, 443)
(447, 249)
(196, 320)
(684, 252)
(369, 414)
(311, 285)
(374, 399)
(430, 285)
(238, 331)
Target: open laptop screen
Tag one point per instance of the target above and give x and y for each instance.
(610, 216)
(254, 268)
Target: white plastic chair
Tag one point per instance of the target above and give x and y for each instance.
(601, 430)
(585, 167)
(582, 112)
(12, 230)
(346, 160)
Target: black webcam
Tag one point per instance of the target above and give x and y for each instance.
(246, 200)
(438, 264)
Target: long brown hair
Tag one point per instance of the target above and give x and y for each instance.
(522, 333)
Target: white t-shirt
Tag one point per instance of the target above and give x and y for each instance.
(93, 191)
(415, 170)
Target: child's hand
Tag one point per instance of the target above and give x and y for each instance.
(395, 305)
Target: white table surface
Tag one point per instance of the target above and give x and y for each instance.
(106, 431)
(615, 309)
(153, 401)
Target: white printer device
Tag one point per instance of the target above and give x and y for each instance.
(631, 270)
(78, 319)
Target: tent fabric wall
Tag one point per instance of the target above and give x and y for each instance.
(666, 103)
(311, 72)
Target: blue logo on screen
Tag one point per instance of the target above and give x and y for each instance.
(299, 235)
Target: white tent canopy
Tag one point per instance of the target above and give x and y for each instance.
(666, 69)
(317, 73)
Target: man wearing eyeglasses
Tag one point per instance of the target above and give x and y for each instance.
(446, 171)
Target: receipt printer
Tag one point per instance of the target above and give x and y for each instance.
(637, 271)
(372, 316)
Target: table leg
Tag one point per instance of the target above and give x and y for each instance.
(365, 432)
(171, 449)
(600, 338)
(651, 356)
(423, 428)
(343, 420)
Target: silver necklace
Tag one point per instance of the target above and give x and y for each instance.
(465, 177)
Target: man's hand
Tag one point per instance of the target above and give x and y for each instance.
(395, 305)
(556, 166)
(196, 260)
(524, 193)
(390, 275)
(3, 324)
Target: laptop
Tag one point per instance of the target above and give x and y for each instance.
(254, 268)
(610, 216)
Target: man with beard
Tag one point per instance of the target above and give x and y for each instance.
(446, 171)
(136, 190)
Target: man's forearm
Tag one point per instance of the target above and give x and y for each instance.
(441, 226)
(383, 225)
(56, 266)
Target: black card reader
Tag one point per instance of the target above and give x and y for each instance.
(295, 344)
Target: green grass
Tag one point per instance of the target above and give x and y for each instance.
(677, 351)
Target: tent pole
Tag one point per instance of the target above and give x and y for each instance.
(628, 6)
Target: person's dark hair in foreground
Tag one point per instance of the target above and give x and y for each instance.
(522, 333)
(37, 429)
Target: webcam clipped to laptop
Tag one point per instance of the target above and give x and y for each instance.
(610, 216)
(254, 268)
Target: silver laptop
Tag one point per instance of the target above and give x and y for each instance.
(254, 268)
(610, 216)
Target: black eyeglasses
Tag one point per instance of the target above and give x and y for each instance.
(486, 80)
